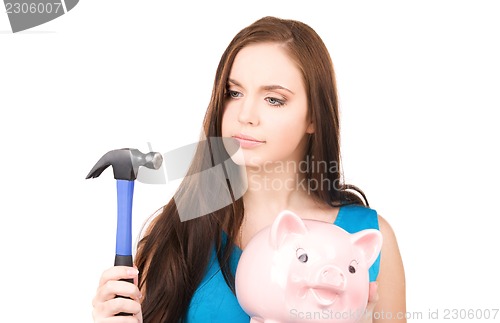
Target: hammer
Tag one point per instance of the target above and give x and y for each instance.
(125, 163)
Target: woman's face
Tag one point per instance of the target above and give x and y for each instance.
(266, 107)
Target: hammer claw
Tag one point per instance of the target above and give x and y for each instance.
(97, 169)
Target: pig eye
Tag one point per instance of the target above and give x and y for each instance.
(302, 255)
(353, 266)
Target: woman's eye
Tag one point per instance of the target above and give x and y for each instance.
(233, 94)
(275, 102)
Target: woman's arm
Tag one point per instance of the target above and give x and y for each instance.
(391, 304)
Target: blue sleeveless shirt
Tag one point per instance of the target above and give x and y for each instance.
(213, 300)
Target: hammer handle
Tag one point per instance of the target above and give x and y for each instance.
(123, 257)
(125, 195)
(123, 261)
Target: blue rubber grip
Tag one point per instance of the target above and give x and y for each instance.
(125, 191)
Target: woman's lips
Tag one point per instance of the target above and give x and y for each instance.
(248, 141)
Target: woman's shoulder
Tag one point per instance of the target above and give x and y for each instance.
(390, 245)
(385, 228)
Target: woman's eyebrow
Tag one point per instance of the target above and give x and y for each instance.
(234, 82)
(264, 87)
(275, 87)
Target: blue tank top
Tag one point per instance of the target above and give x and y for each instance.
(213, 300)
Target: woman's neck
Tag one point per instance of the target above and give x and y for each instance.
(275, 187)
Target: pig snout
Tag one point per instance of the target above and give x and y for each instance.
(330, 283)
(333, 278)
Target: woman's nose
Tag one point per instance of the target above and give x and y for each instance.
(248, 113)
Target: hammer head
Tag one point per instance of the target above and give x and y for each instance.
(126, 163)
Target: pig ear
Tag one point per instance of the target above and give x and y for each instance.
(369, 241)
(286, 223)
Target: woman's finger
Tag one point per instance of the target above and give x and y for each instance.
(117, 305)
(113, 288)
(373, 293)
(117, 273)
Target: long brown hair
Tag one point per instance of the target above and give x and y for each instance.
(173, 255)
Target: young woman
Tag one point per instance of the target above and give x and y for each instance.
(275, 94)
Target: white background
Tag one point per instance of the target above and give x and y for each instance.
(419, 92)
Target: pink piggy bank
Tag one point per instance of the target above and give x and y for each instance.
(306, 271)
